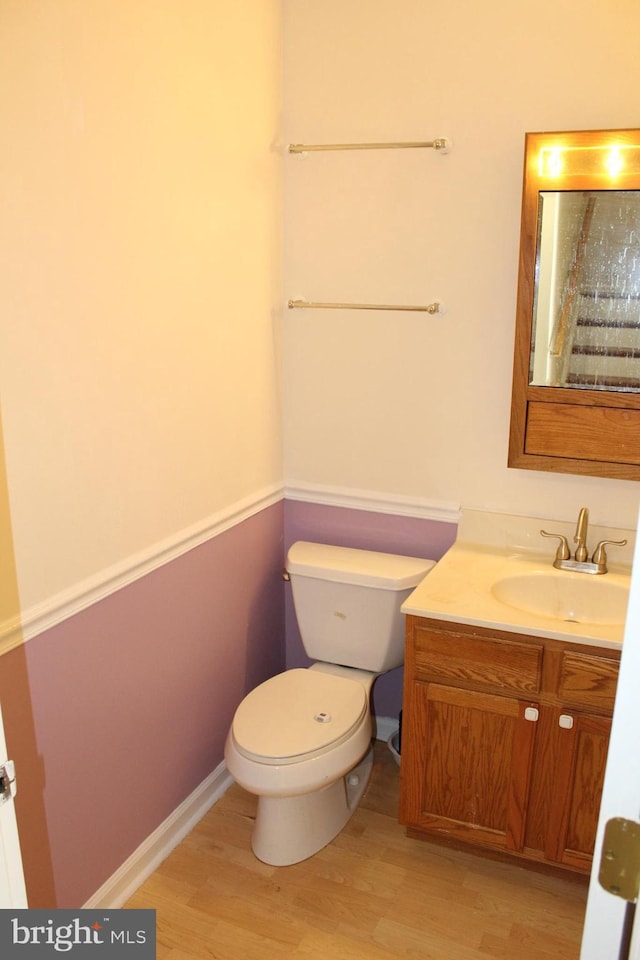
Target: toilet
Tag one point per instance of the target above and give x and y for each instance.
(302, 740)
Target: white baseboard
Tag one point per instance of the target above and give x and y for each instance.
(158, 845)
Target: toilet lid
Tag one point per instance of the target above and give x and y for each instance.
(296, 713)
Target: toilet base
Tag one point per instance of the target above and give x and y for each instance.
(290, 829)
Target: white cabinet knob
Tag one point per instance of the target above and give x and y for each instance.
(565, 721)
(531, 713)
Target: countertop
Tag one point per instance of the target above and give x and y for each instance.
(458, 590)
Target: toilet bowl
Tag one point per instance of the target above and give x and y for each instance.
(301, 741)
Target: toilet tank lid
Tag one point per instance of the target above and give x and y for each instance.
(386, 571)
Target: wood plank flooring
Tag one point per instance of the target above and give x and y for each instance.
(372, 894)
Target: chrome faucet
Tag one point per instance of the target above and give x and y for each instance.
(581, 562)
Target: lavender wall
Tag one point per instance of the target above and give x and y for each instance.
(369, 531)
(129, 703)
(117, 714)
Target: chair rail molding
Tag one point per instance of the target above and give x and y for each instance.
(417, 507)
(56, 609)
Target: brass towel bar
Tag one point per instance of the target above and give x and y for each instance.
(307, 305)
(441, 145)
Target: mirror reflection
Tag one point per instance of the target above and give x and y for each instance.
(586, 310)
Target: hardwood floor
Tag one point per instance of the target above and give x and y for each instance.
(373, 893)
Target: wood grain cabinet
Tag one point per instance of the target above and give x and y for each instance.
(505, 740)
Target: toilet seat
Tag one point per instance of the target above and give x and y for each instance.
(298, 714)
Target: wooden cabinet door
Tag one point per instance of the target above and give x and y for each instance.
(483, 764)
(582, 745)
(467, 764)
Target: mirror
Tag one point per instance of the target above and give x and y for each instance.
(586, 307)
(576, 380)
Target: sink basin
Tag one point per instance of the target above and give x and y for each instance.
(577, 598)
(499, 576)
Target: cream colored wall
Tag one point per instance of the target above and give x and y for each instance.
(406, 404)
(9, 600)
(140, 294)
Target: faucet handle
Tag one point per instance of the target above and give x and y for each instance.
(600, 554)
(563, 552)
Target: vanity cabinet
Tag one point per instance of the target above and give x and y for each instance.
(505, 740)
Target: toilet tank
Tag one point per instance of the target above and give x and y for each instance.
(347, 603)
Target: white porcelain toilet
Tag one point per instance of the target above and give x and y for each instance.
(301, 741)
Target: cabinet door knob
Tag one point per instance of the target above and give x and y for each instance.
(565, 721)
(531, 713)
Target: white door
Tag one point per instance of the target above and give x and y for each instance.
(605, 917)
(12, 889)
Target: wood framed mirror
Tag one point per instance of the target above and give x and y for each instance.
(576, 376)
